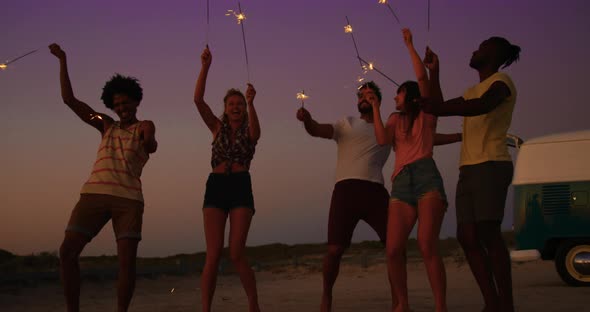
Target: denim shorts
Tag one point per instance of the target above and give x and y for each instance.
(417, 179)
(228, 191)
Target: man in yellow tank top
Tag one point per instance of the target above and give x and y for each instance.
(113, 191)
(486, 168)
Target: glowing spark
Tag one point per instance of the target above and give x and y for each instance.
(369, 66)
(382, 1)
(238, 15)
(3, 66)
(172, 290)
(302, 96)
(360, 79)
(97, 116)
(348, 29)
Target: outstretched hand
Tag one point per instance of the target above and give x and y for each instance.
(56, 50)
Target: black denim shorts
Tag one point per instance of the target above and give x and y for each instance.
(228, 191)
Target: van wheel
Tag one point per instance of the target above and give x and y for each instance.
(572, 262)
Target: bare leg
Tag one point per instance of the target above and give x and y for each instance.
(69, 254)
(401, 220)
(127, 254)
(214, 224)
(239, 219)
(431, 212)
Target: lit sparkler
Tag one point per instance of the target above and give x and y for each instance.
(367, 66)
(302, 96)
(3, 66)
(390, 10)
(348, 30)
(240, 17)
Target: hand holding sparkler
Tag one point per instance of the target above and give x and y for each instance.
(56, 50)
(206, 58)
(408, 40)
(250, 94)
(303, 115)
(431, 60)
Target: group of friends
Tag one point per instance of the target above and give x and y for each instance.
(113, 190)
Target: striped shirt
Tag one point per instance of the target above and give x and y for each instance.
(119, 163)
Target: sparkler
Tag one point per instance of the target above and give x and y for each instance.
(207, 35)
(390, 10)
(240, 16)
(348, 30)
(302, 96)
(3, 66)
(428, 25)
(370, 66)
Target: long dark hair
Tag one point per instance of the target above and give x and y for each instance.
(412, 109)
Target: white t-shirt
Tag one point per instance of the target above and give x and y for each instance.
(359, 155)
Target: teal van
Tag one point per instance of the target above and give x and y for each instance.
(552, 204)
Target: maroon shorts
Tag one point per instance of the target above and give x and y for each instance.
(354, 200)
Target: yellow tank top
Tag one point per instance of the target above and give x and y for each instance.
(484, 136)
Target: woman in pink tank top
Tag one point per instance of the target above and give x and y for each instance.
(417, 188)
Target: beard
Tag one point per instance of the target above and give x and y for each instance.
(365, 109)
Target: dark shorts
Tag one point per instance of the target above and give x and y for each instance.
(228, 191)
(481, 191)
(417, 179)
(354, 200)
(93, 211)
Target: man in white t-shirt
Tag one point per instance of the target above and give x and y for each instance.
(359, 193)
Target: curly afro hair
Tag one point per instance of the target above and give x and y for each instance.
(121, 85)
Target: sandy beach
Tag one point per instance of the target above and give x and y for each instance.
(537, 288)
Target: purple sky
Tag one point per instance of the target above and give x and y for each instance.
(292, 45)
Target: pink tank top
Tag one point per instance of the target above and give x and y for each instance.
(415, 145)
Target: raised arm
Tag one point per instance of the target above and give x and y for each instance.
(84, 112)
(384, 134)
(431, 62)
(212, 122)
(444, 139)
(314, 128)
(419, 69)
(253, 124)
(495, 95)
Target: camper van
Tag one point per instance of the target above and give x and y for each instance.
(552, 204)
